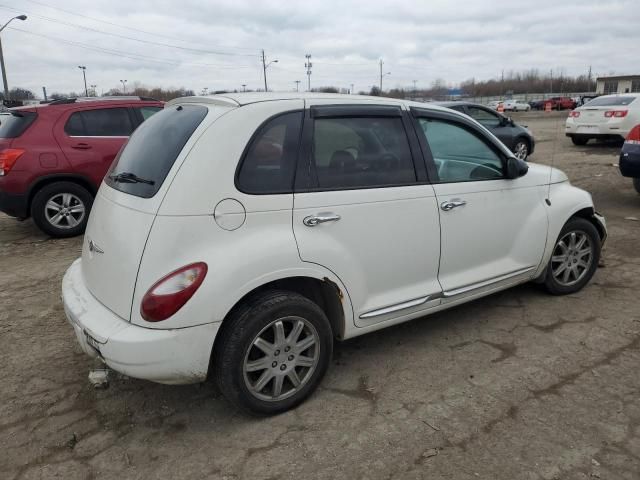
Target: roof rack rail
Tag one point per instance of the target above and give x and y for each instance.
(114, 98)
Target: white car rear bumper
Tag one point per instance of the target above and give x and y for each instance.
(174, 356)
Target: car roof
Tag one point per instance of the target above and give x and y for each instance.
(453, 103)
(240, 99)
(90, 101)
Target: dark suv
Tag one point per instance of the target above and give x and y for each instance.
(54, 156)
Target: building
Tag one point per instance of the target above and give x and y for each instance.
(619, 84)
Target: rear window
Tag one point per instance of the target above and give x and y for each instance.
(616, 101)
(144, 162)
(13, 124)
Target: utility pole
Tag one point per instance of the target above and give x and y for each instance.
(382, 75)
(551, 82)
(297, 85)
(352, 89)
(93, 87)
(244, 87)
(589, 80)
(84, 75)
(308, 66)
(4, 70)
(502, 85)
(44, 92)
(264, 69)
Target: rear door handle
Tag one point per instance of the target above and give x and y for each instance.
(81, 146)
(313, 220)
(450, 205)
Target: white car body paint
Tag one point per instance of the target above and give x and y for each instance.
(422, 260)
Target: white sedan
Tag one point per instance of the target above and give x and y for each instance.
(235, 238)
(516, 106)
(608, 117)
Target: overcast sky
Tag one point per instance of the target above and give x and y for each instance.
(216, 43)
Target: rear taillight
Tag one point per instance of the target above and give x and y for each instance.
(170, 293)
(634, 136)
(616, 113)
(574, 114)
(8, 158)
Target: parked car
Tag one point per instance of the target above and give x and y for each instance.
(608, 117)
(517, 138)
(198, 262)
(559, 103)
(516, 106)
(630, 157)
(536, 104)
(53, 156)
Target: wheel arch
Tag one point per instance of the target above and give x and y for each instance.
(42, 182)
(589, 214)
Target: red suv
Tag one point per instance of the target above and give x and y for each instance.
(53, 156)
(559, 103)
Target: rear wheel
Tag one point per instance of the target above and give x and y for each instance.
(636, 184)
(574, 258)
(61, 209)
(273, 352)
(579, 140)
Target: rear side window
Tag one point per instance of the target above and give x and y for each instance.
(102, 122)
(361, 152)
(269, 163)
(611, 101)
(144, 162)
(13, 124)
(146, 112)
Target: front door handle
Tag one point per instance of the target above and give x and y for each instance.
(450, 205)
(81, 146)
(313, 220)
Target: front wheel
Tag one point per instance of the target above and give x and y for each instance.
(636, 184)
(273, 352)
(574, 258)
(521, 149)
(61, 209)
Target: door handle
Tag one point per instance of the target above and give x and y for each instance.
(313, 220)
(81, 146)
(450, 205)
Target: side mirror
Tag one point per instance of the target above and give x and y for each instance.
(516, 168)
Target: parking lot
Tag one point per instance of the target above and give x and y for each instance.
(519, 385)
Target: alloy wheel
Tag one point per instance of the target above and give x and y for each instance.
(571, 258)
(64, 210)
(281, 358)
(521, 150)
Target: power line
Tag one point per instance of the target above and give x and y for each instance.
(133, 56)
(149, 42)
(70, 12)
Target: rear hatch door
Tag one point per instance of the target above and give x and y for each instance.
(130, 196)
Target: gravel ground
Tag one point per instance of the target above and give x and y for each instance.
(519, 385)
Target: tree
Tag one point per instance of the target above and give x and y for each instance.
(18, 93)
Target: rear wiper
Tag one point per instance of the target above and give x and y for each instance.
(128, 177)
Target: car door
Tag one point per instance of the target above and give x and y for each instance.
(364, 209)
(91, 138)
(493, 229)
(494, 122)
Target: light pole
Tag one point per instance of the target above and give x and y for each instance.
(264, 69)
(84, 75)
(351, 89)
(382, 75)
(297, 85)
(4, 70)
(124, 86)
(308, 66)
(244, 87)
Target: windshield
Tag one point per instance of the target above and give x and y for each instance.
(144, 162)
(14, 124)
(616, 101)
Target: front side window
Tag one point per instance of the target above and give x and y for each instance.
(459, 155)
(102, 122)
(484, 117)
(269, 164)
(361, 152)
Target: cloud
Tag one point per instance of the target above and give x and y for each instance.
(220, 41)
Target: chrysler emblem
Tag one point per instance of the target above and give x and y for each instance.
(93, 248)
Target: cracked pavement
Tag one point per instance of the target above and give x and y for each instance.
(518, 385)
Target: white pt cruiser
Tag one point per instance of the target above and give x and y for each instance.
(236, 236)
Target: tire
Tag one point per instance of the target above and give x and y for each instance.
(73, 203)
(557, 281)
(636, 184)
(579, 140)
(239, 365)
(521, 149)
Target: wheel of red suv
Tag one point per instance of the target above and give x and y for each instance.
(579, 140)
(521, 149)
(636, 184)
(61, 209)
(273, 352)
(574, 259)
